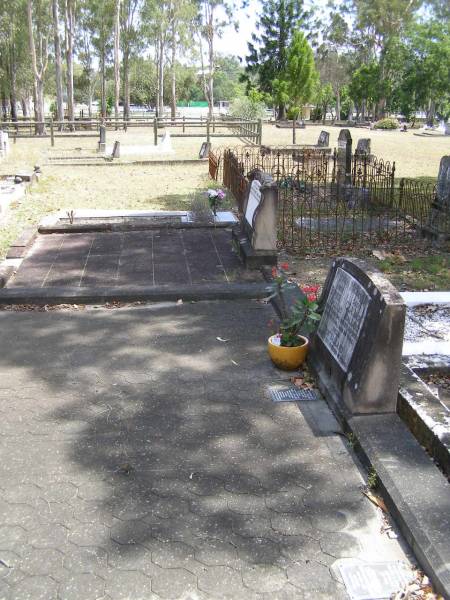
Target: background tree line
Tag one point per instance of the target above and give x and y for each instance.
(371, 57)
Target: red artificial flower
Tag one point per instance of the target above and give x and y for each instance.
(312, 297)
(274, 271)
(285, 266)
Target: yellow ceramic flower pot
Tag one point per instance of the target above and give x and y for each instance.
(287, 358)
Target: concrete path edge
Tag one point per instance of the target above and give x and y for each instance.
(79, 295)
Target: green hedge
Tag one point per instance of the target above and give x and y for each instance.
(387, 123)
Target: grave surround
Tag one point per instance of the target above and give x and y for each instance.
(357, 349)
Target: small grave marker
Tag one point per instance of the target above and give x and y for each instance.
(363, 147)
(204, 150)
(357, 350)
(440, 209)
(368, 581)
(324, 139)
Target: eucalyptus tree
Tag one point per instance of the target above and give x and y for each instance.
(131, 42)
(212, 17)
(39, 23)
(58, 62)
(70, 8)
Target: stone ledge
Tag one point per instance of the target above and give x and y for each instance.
(416, 492)
(425, 417)
(20, 246)
(164, 293)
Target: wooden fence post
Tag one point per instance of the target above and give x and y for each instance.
(155, 130)
(294, 131)
(259, 132)
(207, 130)
(184, 123)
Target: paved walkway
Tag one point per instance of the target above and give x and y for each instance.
(141, 458)
(154, 257)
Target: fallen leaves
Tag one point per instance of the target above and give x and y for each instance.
(375, 499)
(222, 340)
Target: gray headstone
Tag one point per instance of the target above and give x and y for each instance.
(363, 147)
(324, 139)
(102, 134)
(443, 184)
(344, 157)
(116, 150)
(357, 349)
(204, 150)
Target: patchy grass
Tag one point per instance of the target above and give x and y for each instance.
(423, 272)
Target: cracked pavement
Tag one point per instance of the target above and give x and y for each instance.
(142, 458)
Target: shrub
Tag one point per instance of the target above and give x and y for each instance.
(387, 123)
(247, 108)
(293, 113)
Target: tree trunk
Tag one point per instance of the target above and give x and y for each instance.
(117, 62)
(70, 34)
(38, 74)
(103, 84)
(281, 116)
(160, 102)
(58, 68)
(24, 104)
(12, 84)
(338, 104)
(173, 108)
(211, 66)
(4, 105)
(431, 112)
(126, 84)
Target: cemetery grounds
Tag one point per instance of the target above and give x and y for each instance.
(160, 186)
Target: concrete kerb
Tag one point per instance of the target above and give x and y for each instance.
(168, 293)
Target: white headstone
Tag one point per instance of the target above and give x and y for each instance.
(254, 198)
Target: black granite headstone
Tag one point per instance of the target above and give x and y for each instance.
(440, 210)
(357, 349)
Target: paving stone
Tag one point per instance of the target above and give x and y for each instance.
(88, 534)
(82, 585)
(292, 524)
(264, 578)
(313, 578)
(88, 559)
(215, 552)
(341, 545)
(35, 588)
(13, 538)
(124, 585)
(258, 550)
(173, 583)
(222, 582)
(286, 501)
(43, 561)
(245, 504)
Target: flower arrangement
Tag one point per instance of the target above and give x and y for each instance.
(214, 198)
(302, 317)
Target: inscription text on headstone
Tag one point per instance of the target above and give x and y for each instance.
(343, 317)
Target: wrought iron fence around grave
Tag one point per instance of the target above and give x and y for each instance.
(322, 209)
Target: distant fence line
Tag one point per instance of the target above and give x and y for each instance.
(320, 211)
(249, 131)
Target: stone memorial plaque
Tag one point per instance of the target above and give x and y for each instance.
(377, 580)
(343, 317)
(254, 198)
(293, 394)
(357, 350)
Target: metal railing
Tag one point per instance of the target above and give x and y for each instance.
(320, 212)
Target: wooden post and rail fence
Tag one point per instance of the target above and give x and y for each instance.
(248, 130)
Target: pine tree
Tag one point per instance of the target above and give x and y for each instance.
(268, 57)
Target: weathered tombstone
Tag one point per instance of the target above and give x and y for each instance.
(363, 147)
(256, 235)
(204, 150)
(439, 219)
(102, 141)
(357, 350)
(2, 144)
(116, 150)
(324, 139)
(344, 158)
